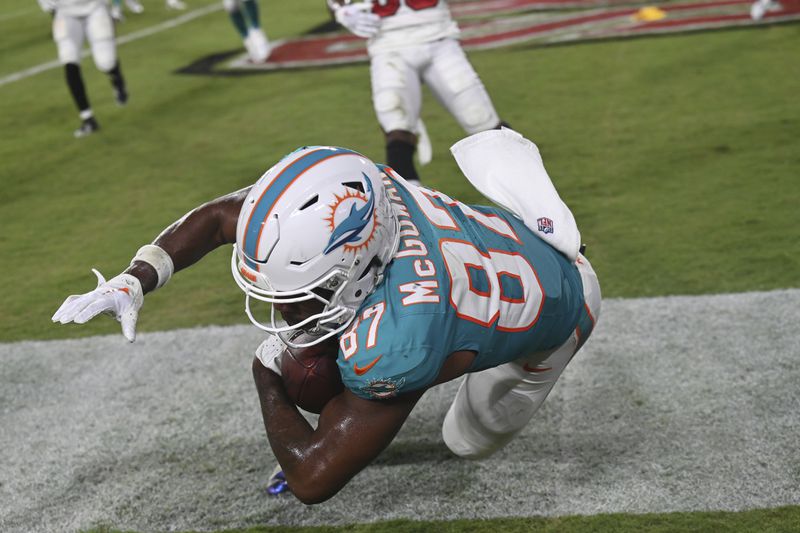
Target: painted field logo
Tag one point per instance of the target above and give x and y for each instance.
(545, 225)
(498, 23)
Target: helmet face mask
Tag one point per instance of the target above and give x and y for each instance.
(317, 227)
(327, 322)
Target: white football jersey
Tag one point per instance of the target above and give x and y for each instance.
(77, 8)
(410, 22)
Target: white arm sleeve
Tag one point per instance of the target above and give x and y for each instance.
(506, 168)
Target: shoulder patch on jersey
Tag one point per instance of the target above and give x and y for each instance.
(383, 388)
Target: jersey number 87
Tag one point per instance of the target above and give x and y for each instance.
(514, 297)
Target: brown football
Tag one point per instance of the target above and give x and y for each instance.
(311, 375)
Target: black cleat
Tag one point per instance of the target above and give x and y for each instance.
(277, 482)
(88, 127)
(121, 96)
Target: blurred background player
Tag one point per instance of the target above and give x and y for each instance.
(72, 21)
(245, 17)
(411, 42)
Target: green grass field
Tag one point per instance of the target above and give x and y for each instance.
(779, 520)
(679, 156)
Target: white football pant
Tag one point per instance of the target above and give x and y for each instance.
(97, 26)
(493, 405)
(397, 77)
(508, 169)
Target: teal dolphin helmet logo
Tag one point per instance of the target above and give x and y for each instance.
(349, 230)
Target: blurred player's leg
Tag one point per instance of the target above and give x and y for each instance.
(396, 98)
(424, 148)
(118, 82)
(250, 8)
(236, 15)
(259, 44)
(400, 147)
(245, 18)
(457, 86)
(258, 40)
(78, 91)
(68, 35)
(493, 405)
(100, 31)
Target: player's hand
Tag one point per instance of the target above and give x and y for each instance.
(48, 6)
(359, 19)
(269, 353)
(120, 297)
(116, 13)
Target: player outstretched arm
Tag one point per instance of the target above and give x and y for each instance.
(48, 6)
(180, 245)
(350, 434)
(197, 233)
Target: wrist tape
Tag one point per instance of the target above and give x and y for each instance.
(156, 257)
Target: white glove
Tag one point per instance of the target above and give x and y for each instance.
(269, 353)
(48, 6)
(116, 13)
(359, 19)
(120, 297)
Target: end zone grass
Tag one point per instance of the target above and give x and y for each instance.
(778, 520)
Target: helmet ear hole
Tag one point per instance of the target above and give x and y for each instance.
(374, 263)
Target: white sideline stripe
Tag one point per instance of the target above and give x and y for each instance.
(678, 403)
(130, 37)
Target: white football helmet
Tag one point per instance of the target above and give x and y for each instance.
(316, 226)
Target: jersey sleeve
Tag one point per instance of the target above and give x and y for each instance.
(383, 375)
(381, 357)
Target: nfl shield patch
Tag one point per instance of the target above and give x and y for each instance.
(545, 225)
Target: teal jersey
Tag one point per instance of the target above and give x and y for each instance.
(464, 278)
